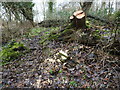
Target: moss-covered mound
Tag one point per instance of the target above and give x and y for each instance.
(11, 51)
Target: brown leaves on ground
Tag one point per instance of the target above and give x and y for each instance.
(86, 67)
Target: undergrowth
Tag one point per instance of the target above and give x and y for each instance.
(12, 51)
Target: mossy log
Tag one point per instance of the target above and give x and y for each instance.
(61, 35)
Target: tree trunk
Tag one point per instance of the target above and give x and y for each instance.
(78, 20)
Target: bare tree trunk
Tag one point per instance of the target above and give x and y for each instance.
(86, 6)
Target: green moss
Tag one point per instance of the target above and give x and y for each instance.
(73, 83)
(55, 34)
(88, 88)
(87, 22)
(36, 31)
(12, 51)
(51, 71)
(60, 71)
(96, 34)
(49, 35)
(70, 25)
(53, 37)
(117, 16)
(43, 40)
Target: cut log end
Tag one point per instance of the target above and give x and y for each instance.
(78, 19)
(80, 16)
(77, 12)
(71, 17)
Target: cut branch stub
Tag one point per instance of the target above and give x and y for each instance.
(78, 19)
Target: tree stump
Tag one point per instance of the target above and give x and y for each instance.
(78, 19)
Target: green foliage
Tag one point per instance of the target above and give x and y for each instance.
(36, 31)
(96, 34)
(11, 51)
(64, 77)
(47, 32)
(88, 88)
(117, 16)
(73, 83)
(84, 76)
(49, 35)
(51, 71)
(50, 6)
(60, 71)
(101, 12)
(53, 37)
(88, 24)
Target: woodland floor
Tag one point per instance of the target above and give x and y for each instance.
(86, 67)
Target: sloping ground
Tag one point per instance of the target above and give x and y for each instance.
(83, 67)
